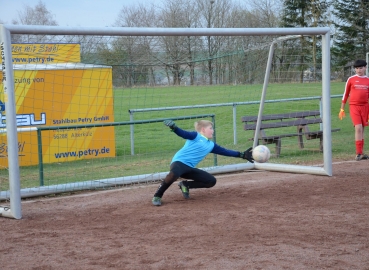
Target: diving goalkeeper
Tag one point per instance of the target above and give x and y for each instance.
(195, 149)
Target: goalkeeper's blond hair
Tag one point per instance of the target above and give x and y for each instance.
(202, 124)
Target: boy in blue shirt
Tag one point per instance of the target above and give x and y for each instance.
(184, 162)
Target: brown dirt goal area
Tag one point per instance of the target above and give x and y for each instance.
(249, 220)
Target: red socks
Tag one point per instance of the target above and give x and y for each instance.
(359, 147)
(362, 147)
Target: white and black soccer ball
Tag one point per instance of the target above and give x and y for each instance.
(261, 153)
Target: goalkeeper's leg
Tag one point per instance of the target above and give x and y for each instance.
(176, 170)
(201, 179)
(165, 184)
(198, 179)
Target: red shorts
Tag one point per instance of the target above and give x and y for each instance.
(359, 114)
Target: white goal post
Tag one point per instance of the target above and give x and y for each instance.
(14, 211)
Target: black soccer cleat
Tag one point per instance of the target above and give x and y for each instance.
(185, 190)
(156, 201)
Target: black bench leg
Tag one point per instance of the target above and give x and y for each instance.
(278, 146)
(301, 141)
(321, 143)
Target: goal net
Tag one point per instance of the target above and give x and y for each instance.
(83, 108)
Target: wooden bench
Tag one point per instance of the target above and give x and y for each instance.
(301, 120)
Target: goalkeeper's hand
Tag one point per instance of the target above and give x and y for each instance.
(170, 124)
(247, 155)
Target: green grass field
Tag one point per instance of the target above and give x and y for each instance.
(215, 95)
(155, 145)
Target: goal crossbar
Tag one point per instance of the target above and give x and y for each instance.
(150, 31)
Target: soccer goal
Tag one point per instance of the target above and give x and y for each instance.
(82, 108)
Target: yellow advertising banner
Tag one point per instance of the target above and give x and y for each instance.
(61, 94)
(41, 53)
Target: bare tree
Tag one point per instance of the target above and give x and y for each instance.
(265, 13)
(181, 56)
(135, 52)
(38, 15)
(215, 14)
(179, 50)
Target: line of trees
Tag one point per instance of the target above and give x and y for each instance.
(220, 59)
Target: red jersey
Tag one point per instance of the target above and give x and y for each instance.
(357, 88)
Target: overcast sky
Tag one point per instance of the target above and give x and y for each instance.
(95, 13)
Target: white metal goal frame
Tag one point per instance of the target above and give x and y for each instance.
(15, 211)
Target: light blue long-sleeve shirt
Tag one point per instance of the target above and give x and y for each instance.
(197, 147)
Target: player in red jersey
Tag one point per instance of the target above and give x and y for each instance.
(357, 88)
